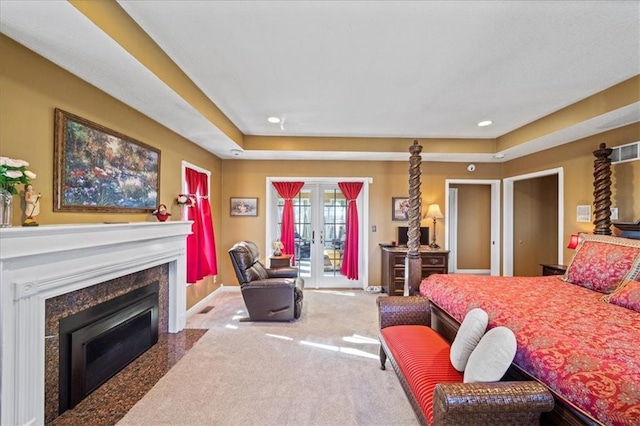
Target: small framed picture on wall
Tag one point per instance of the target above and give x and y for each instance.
(400, 208)
(243, 206)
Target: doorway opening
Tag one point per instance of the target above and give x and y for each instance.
(556, 228)
(464, 231)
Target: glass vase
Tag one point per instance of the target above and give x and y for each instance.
(6, 208)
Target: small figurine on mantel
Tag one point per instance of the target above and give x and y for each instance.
(161, 213)
(31, 206)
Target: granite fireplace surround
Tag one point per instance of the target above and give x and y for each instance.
(52, 271)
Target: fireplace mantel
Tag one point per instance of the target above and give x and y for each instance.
(37, 263)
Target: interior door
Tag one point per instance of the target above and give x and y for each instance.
(474, 228)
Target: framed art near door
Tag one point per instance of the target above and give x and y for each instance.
(243, 206)
(400, 208)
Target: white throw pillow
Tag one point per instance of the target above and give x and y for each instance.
(492, 357)
(469, 334)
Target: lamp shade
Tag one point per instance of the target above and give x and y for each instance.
(434, 212)
(573, 241)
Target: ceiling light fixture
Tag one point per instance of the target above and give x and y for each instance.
(485, 123)
(274, 120)
(236, 152)
(499, 156)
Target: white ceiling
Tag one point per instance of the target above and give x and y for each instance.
(396, 69)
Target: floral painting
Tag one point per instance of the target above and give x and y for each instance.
(98, 169)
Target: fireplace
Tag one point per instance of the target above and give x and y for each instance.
(98, 342)
(47, 263)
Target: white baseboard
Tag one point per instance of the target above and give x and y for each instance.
(204, 302)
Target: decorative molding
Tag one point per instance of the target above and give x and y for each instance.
(42, 262)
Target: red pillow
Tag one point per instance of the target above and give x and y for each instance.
(627, 296)
(601, 263)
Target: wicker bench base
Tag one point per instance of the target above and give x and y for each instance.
(501, 403)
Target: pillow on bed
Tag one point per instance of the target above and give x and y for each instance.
(601, 262)
(469, 334)
(627, 296)
(492, 357)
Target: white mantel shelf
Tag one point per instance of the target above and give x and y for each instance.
(38, 263)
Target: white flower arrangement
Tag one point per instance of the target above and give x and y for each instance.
(13, 172)
(186, 200)
(277, 245)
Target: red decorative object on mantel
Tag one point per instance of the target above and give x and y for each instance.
(161, 213)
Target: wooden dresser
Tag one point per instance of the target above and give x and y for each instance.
(434, 261)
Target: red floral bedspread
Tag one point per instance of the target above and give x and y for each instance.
(586, 350)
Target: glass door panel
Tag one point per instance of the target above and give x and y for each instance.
(320, 214)
(333, 231)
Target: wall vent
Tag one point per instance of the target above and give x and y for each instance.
(624, 153)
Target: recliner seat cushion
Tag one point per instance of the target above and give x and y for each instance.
(255, 273)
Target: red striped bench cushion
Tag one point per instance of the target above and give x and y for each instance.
(422, 356)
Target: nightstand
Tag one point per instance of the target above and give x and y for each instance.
(552, 269)
(283, 261)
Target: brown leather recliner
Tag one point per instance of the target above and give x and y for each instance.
(269, 294)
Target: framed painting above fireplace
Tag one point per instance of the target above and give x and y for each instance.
(100, 170)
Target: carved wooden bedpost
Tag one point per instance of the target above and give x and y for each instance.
(413, 261)
(602, 190)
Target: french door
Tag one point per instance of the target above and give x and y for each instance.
(320, 229)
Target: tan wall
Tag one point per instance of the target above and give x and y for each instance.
(576, 159)
(31, 87)
(474, 226)
(390, 179)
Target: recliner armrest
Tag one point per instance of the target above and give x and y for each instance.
(270, 283)
(282, 272)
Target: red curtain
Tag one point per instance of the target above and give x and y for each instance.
(349, 268)
(201, 246)
(288, 191)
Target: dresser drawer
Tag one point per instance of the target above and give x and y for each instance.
(393, 267)
(433, 260)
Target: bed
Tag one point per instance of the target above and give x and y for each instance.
(579, 334)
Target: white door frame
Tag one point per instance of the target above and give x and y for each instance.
(495, 216)
(452, 212)
(507, 243)
(363, 213)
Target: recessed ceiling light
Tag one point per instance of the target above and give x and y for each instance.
(485, 123)
(274, 120)
(499, 156)
(236, 152)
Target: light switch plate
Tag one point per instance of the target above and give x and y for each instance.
(614, 213)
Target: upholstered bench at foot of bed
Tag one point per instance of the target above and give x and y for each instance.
(420, 357)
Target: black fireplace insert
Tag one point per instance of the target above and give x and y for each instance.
(98, 342)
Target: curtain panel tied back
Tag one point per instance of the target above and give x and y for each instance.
(349, 268)
(288, 191)
(201, 245)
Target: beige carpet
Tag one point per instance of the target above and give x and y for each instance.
(320, 370)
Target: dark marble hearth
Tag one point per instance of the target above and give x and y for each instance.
(109, 403)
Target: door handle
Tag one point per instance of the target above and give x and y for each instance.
(313, 237)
